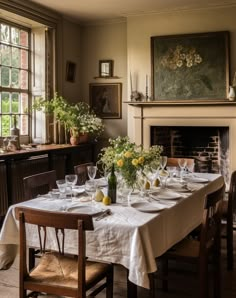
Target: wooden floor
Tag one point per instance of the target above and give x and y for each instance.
(178, 288)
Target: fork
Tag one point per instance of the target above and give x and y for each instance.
(104, 214)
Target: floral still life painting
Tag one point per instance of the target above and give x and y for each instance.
(190, 66)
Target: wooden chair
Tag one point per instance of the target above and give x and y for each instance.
(39, 184)
(58, 273)
(197, 251)
(227, 221)
(81, 171)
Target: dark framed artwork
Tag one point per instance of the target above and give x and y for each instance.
(190, 68)
(105, 99)
(70, 71)
(105, 68)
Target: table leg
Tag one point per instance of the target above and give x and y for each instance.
(132, 291)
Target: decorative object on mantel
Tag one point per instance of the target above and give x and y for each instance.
(231, 95)
(191, 67)
(135, 95)
(105, 99)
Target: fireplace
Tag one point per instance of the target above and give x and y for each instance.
(209, 146)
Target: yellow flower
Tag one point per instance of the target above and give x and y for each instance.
(120, 163)
(135, 162)
(141, 160)
(128, 154)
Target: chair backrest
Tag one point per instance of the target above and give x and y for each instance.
(39, 184)
(211, 224)
(231, 197)
(81, 172)
(173, 161)
(45, 221)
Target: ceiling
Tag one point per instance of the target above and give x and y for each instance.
(85, 11)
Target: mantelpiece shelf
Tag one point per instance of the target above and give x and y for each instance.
(113, 77)
(181, 103)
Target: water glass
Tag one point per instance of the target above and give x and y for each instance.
(171, 171)
(163, 175)
(90, 188)
(182, 164)
(61, 184)
(92, 171)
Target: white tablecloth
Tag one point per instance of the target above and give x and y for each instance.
(128, 237)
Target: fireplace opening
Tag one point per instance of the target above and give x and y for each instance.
(209, 146)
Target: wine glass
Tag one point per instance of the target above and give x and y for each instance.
(182, 162)
(163, 162)
(92, 171)
(171, 171)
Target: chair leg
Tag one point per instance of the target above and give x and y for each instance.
(31, 258)
(203, 278)
(132, 290)
(164, 274)
(110, 280)
(152, 285)
(230, 253)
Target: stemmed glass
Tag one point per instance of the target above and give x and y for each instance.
(92, 171)
(163, 162)
(71, 181)
(182, 164)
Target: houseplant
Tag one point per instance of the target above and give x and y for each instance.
(76, 118)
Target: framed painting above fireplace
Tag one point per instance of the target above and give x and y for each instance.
(190, 68)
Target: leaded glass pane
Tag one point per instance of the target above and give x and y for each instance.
(24, 38)
(24, 59)
(6, 124)
(5, 33)
(24, 79)
(24, 102)
(15, 57)
(24, 125)
(15, 103)
(5, 55)
(5, 102)
(5, 76)
(15, 35)
(15, 73)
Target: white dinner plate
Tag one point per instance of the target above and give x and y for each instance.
(84, 209)
(148, 207)
(78, 190)
(197, 180)
(177, 187)
(101, 182)
(167, 195)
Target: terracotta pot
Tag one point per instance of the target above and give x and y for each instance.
(74, 140)
(83, 137)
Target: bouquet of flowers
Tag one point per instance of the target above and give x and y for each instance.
(129, 158)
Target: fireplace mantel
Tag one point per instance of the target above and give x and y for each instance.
(143, 115)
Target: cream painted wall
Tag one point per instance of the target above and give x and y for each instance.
(71, 52)
(102, 42)
(141, 28)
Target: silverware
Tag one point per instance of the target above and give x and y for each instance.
(104, 214)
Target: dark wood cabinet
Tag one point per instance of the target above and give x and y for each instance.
(14, 166)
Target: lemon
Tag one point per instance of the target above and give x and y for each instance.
(99, 195)
(106, 200)
(147, 185)
(156, 182)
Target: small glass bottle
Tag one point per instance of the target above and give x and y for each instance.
(112, 185)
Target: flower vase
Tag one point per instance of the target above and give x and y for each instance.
(74, 136)
(74, 140)
(83, 137)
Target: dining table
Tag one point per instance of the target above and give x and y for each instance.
(133, 233)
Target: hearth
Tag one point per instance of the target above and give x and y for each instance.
(209, 146)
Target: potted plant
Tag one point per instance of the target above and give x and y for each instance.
(76, 118)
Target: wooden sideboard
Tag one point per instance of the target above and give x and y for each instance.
(14, 166)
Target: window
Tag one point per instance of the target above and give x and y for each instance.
(14, 77)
